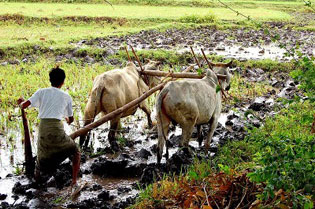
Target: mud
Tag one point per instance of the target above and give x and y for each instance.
(242, 44)
(113, 179)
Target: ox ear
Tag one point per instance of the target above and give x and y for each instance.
(157, 63)
(146, 60)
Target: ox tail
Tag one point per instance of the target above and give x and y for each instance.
(92, 108)
(161, 135)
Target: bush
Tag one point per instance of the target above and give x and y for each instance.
(287, 153)
(305, 74)
(209, 18)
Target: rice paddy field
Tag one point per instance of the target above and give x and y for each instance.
(264, 142)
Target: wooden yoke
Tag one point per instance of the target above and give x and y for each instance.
(177, 74)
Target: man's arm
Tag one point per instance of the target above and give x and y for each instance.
(22, 103)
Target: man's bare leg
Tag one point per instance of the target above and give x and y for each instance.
(75, 166)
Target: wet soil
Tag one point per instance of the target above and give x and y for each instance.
(241, 44)
(112, 179)
(232, 43)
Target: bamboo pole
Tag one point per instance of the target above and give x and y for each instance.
(29, 162)
(177, 75)
(197, 61)
(116, 112)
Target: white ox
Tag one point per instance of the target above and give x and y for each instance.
(191, 102)
(115, 88)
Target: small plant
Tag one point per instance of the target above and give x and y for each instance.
(121, 140)
(18, 170)
(209, 18)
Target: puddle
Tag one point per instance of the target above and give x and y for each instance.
(271, 51)
(11, 154)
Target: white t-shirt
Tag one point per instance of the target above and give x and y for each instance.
(52, 103)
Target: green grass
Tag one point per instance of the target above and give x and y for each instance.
(60, 35)
(133, 11)
(200, 3)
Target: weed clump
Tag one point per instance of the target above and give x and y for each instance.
(209, 18)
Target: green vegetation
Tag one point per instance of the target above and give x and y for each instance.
(133, 11)
(305, 73)
(197, 3)
(279, 157)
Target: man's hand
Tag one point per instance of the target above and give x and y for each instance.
(22, 103)
(69, 120)
(20, 100)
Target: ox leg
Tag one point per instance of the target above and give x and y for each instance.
(213, 125)
(113, 128)
(144, 107)
(163, 124)
(199, 135)
(187, 130)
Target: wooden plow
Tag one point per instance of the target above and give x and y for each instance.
(173, 75)
(29, 161)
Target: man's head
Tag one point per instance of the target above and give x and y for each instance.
(57, 77)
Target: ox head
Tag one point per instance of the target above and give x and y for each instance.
(222, 69)
(152, 65)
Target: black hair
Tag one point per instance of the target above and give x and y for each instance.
(57, 76)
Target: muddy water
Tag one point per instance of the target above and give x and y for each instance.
(11, 154)
(271, 51)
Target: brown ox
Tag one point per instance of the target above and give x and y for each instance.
(188, 103)
(115, 88)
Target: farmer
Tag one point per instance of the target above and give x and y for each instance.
(54, 145)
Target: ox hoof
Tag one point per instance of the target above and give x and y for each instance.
(114, 146)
